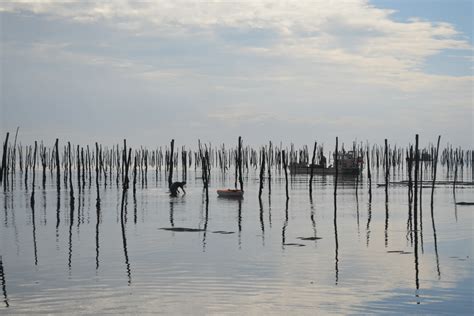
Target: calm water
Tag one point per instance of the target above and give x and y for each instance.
(248, 260)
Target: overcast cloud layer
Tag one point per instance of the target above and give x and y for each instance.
(283, 71)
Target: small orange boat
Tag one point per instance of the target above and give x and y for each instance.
(234, 193)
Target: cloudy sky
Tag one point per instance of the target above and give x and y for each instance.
(286, 71)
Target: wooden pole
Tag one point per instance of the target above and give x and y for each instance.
(262, 171)
(369, 176)
(285, 167)
(415, 205)
(336, 165)
(3, 167)
(387, 170)
(170, 165)
(313, 161)
(58, 165)
(434, 170)
(240, 165)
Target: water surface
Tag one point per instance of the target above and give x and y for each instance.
(242, 256)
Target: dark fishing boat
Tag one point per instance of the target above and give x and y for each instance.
(348, 164)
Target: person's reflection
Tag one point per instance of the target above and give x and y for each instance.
(172, 211)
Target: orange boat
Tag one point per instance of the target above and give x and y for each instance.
(235, 193)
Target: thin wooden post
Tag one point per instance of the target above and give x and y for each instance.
(3, 167)
(170, 165)
(240, 165)
(387, 170)
(262, 171)
(285, 167)
(336, 165)
(434, 171)
(313, 161)
(58, 165)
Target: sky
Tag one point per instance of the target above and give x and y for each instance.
(285, 71)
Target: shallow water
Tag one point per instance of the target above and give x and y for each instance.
(243, 257)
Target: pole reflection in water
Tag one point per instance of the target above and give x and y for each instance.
(417, 279)
(435, 241)
(97, 245)
(386, 223)
(33, 218)
(71, 223)
(171, 212)
(134, 207)
(410, 223)
(311, 216)
(5, 210)
(269, 208)
(4, 285)
(357, 213)
(206, 220)
(13, 223)
(239, 221)
(78, 210)
(421, 224)
(123, 219)
(58, 219)
(336, 257)
(421, 207)
(369, 218)
(262, 224)
(44, 207)
(285, 224)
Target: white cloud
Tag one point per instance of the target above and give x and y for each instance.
(344, 33)
(301, 63)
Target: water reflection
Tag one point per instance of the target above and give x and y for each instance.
(33, 218)
(269, 208)
(239, 221)
(211, 273)
(262, 224)
(336, 255)
(71, 223)
(97, 226)
(369, 219)
(417, 271)
(386, 223)
(5, 210)
(206, 220)
(134, 206)
(285, 225)
(44, 206)
(4, 285)
(435, 239)
(123, 219)
(172, 212)
(58, 213)
(311, 217)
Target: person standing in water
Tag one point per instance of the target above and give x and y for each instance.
(174, 188)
